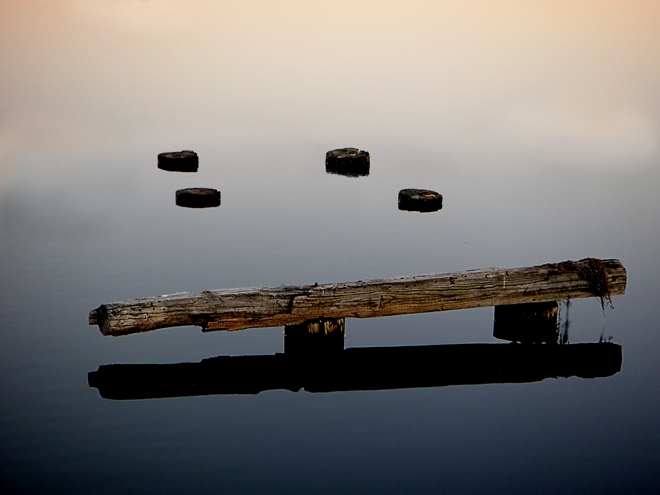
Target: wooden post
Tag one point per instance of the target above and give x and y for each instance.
(236, 309)
(350, 162)
(198, 197)
(528, 323)
(178, 161)
(321, 338)
(421, 200)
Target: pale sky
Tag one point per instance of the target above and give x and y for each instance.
(88, 75)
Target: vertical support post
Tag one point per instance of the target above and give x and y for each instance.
(321, 338)
(527, 323)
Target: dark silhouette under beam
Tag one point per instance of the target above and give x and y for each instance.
(371, 368)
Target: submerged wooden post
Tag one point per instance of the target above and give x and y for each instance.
(350, 162)
(236, 309)
(179, 161)
(529, 323)
(321, 338)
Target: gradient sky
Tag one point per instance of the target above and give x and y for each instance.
(579, 78)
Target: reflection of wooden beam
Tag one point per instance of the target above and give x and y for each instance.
(370, 368)
(236, 309)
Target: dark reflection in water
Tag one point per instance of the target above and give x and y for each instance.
(371, 368)
(332, 170)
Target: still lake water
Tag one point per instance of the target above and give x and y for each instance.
(539, 124)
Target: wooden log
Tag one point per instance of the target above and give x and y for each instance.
(236, 309)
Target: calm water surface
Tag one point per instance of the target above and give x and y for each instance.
(539, 124)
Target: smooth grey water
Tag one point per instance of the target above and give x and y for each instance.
(540, 125)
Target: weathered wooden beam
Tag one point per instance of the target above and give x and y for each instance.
(236, 309)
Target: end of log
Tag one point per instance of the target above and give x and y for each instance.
(350, 162)
(605, 277)
(93, 317)
(99, 316)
